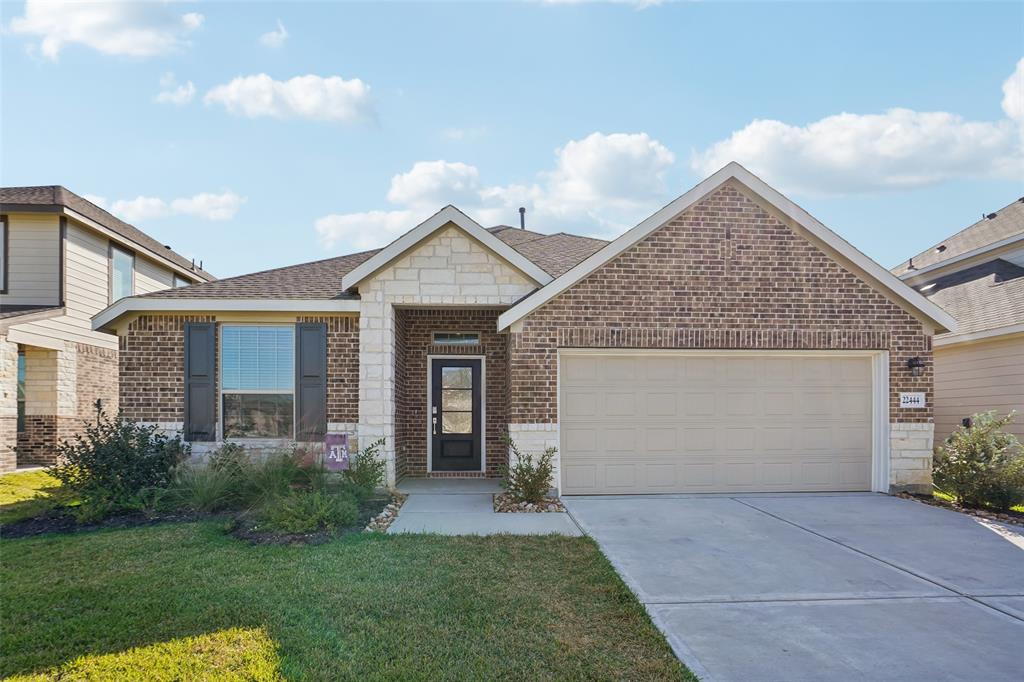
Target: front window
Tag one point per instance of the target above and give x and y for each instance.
(122, 266)
(257, 381)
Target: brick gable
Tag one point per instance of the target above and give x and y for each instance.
(724, 274)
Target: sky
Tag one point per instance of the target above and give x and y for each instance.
(257, 135)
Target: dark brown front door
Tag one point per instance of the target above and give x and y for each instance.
(455, 419)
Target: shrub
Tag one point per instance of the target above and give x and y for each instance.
(271, 477)
(366, 470)
(208, 488)
(308, 511)
(110, 465)
(528, 480)
(980, 465)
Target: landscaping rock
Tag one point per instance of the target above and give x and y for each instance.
(387, 516)
(504, 502)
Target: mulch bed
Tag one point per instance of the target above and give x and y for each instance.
(61, 521)
(505, 503)
(244, 528)
(1011, 517)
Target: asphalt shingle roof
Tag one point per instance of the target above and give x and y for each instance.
(55, 195)
(554, 253)
(1008, 221)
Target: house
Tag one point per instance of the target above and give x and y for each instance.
(977, 275)
(729, 342)
(62, 260)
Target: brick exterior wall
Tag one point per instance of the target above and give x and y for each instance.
(724, 274)
(152, 368)
(414, 328)
(96, 377)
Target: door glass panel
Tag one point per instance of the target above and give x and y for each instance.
(457, 422)
(457, 400)
(456, 377)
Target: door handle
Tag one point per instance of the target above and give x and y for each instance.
(434, 422)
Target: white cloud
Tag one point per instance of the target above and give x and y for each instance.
(319, 98)
(599, 185)
(899, 149)
(137, 29)
(463, 134)
(209, 206)
(173, 93)
(276, 38)
(1013, 93)
(205, 205)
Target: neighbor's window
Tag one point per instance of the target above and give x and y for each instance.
(181, 282)
(122, 266)
(21, 391)
(257, 379)
(456, 339)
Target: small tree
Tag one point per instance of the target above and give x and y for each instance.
(527, 479)
(112, 465)
(366, 470)
(981, 465)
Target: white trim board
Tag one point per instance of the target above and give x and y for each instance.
(735, 171)
(911, 275)
(483, 408)
(984, 335)
(448, 214)
(136, 304)
(880, 446)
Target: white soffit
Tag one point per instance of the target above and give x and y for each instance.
(135, 304)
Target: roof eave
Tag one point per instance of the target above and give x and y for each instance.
(108, 317)
(939, 317)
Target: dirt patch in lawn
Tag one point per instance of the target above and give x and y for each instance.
(62, 521)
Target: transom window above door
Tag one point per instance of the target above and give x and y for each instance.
(257, 381)
(456, 339)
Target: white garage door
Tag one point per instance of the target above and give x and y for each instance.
(658, 423)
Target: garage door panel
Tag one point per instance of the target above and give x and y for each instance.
(792, 423)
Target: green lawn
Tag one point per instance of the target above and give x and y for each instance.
(939, 495)
(25, 494)
(185, 601)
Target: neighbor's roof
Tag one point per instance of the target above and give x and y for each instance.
(1007, 222)
(984, 297)
(53, 197)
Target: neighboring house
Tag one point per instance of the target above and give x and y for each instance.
(729, 342)
(977, 276)
(62, 260)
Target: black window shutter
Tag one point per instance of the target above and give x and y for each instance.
(311, 380)
(200, 381)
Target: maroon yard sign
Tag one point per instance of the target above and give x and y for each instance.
(336, 451)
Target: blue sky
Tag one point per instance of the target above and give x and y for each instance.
(592, 115)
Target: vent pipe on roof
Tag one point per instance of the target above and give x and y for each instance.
(990, 216)
(522, 217)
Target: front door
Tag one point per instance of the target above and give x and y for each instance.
(455, 419)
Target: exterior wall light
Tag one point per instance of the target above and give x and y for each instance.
(915, 365)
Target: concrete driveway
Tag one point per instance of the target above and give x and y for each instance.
(820, 586)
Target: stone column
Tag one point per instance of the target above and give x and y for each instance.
(376, 375)
(8, 405)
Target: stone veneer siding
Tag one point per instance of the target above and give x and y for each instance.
(414, 330)
(725, 274)
(8, 404)
(447, 269)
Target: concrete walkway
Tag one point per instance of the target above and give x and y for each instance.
(820, 587)
(454, 506)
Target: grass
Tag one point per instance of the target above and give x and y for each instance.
(185, 601)
(24, 494)
(939, 495)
